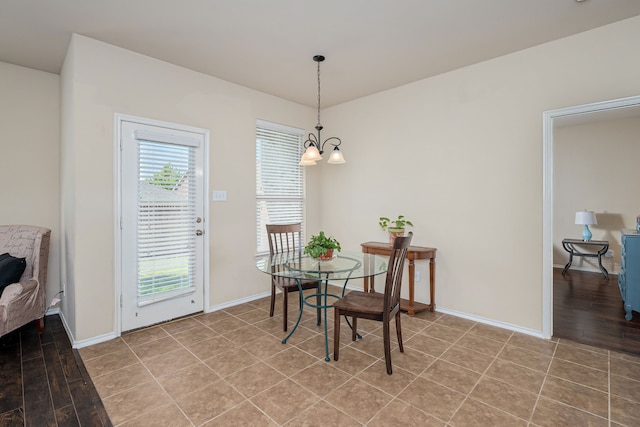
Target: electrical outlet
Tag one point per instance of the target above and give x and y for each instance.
(609, 254)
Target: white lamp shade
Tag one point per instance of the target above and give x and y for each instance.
(586, 218)
(336, 157)
(311, 153)
(306, 162)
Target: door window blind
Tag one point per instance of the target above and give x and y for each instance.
(166, 223)
(279, 179)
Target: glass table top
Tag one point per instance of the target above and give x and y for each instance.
(344, 265)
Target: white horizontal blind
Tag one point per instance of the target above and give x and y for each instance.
(279, 179)
(166, 223)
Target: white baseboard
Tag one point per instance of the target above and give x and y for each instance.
(94, 340)
(112, 335)
(83, 343)
(491, 322)
(66, 328)
(479, 319)
(237, 302)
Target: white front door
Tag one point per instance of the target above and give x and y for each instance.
(162, 223)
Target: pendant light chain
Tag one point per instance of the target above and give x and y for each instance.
(314, 146)
(319, 94)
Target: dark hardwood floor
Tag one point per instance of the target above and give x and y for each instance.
(587, 309)
(43, 381)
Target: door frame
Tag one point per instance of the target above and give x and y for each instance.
(117, 203)
(547, 194)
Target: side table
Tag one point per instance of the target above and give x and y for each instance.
(414, 253)
(601, 247)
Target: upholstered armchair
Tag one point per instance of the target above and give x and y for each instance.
(24, 301)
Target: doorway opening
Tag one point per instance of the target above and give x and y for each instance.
(550, 121)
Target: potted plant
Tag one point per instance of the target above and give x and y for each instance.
(321, 246)
(395, 227)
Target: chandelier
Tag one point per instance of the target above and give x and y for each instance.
(313, 147)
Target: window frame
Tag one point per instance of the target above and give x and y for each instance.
(292, 133)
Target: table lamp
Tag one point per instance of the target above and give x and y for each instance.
(586, 218)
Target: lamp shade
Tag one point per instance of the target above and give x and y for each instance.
(586, 218)
(336, 157)
(311, 153)
(307, 162)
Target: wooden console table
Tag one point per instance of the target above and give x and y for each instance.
(414, 253)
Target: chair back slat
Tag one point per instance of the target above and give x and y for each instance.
(284, 237)
(393, 283)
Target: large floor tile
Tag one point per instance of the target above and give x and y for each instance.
(129, 404)
(508, 398)
(205, 404)
(323, 414)
(358, 399)
(550, 413)
(433, 398)
(473, 413)
(284, 401)
(255, 379)
(452, 376)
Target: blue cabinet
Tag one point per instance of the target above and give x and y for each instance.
(629, 277)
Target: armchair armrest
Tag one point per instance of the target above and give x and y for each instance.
(9, 294)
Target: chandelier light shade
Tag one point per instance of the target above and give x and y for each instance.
(586, 218)
(314, 146)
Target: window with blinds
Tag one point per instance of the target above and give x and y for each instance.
(279, 179)
(165, 221)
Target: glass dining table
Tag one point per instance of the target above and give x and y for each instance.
(344, 266)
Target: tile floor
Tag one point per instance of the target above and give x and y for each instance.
(230, 368)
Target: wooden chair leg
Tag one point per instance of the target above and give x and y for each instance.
(387, 346)
(399, 332)
(354, 328)
(285, 299)
(40, 325)
(336, 334)
(273, 299)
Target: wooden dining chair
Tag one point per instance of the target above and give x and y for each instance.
(376, 306)
(285, 238)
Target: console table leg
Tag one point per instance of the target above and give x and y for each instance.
(566, 267)
(412, 272)
(432, 285)
(604, 270)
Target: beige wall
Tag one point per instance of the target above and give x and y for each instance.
(101, 80)
(29, 169)
(460, 154)
(595, 168)
(464, 150)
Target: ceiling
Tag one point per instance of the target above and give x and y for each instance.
(370, 45)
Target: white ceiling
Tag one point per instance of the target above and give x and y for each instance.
(370, 45)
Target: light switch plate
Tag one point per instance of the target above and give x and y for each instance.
(219, 195)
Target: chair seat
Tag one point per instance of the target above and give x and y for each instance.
(289, 283)
(362, 302)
